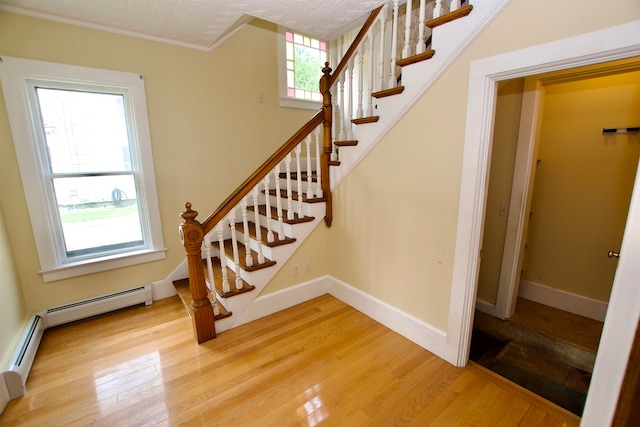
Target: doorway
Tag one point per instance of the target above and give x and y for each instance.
(579, 187)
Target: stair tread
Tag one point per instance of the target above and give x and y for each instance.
(182, 288)
(448, 17)
(228, 248)
(346, 143)
(304, 176)
(364, 120)
(262, 209)
(388, 92)
(263, 235)
(294, 196)
(231, 277)
(334, 162)
(415, 58)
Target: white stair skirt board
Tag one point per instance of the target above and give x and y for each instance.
(98, 305)
(573, 303)
(16, 373)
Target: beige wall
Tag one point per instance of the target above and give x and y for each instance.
(395, 215)
(204, 118)
(503, 154)
(583, 184)
(13, 311)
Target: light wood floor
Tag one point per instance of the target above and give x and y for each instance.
(318, 362)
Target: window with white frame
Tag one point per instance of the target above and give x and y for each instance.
(301, 62)
(84, 152)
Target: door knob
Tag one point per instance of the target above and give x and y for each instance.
(612, 254)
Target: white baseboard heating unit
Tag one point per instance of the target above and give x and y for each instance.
(99, 305)
(15, 376)
(16, 373)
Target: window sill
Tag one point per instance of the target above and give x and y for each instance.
(102, 264)
(300, 103)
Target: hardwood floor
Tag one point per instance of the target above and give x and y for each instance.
(318, 362)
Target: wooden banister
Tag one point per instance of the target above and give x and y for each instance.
(255, 178)
(354, 45)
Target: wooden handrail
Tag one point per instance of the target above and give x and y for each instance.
(356, 42)
(260, 173)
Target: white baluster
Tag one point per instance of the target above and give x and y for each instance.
(455, 5)
(309, 180)
(245, 227)
(319, 192)
(287, 164)
(421, 20)
(299, 192)
(234, 246)
(394, 43)
(360, 110)
(406, 50)
(382, 78)
(438, 9)
(270, 237)
(371, 69)
(276, 173)
(226, 288)
(256, 218)
(350, 100)
(341, 133)
(212, 285)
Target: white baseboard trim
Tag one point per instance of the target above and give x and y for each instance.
(573, 303)
(162, 289)
(421, 333)
(487, 307)
(265, 305)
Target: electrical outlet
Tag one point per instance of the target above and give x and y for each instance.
(296, 269)
(307, 266)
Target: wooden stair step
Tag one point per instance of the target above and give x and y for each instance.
(182, 288)
(388, 92)
(448, 17)
(263, 235)
(348, 143)
(415, 58)
(231, 277)
(294, 196)
(262, 209)
(334, 162)
(364, 120)
(303, 176)
(228, 248)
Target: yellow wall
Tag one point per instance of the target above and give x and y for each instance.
(583, 184)
(204, 118)
(395, 215)
(13, 311)
(503, 153)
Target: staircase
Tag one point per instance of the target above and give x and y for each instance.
(236, 251)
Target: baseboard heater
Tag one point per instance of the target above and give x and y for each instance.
(16, 373)
(99, 305)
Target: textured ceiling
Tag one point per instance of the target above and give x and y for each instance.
(198, 23)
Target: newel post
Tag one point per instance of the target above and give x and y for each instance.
(325, 89)
(191, 236)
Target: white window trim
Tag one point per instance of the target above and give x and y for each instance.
(14, 73)
(287, 101)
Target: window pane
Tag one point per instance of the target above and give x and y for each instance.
(98, 213)
(84, 131)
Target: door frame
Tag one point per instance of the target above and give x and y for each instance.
(614, 43)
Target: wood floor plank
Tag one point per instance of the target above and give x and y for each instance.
(319, 362)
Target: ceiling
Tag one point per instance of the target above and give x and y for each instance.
(198, 24)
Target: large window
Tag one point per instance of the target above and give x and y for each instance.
(302, 60)
(82, 141)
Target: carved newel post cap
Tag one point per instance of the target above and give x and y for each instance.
(188, 214)
(326, 70)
